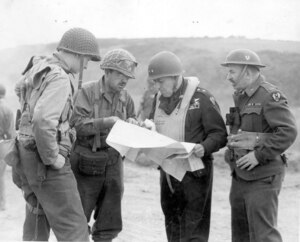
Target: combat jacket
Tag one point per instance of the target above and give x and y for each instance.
(84, 120)
(264, 109)
(6, 122)
(45, 94)
(203, 123)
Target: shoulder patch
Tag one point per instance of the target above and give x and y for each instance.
(276, 96)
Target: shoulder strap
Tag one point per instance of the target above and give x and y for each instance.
(97, 91)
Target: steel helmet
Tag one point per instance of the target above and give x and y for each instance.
(120, 60)
(2, 90)
(80, 41)
(163, 64)
(243, 57)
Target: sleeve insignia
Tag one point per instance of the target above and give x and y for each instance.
(276, 96)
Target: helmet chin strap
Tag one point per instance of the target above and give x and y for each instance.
(80, 72)
(241, 75)
(177, 84)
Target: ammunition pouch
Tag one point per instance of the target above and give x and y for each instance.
(94, 163)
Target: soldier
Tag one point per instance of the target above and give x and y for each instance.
(7, 131)
(98, 168)
(186, 112)
(45, 175)
(262, 128)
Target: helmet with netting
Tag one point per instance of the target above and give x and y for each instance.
(120, 60)
(164, 64)
(80, 41)
(243, 57)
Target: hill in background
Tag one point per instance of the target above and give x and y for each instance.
(201, 57)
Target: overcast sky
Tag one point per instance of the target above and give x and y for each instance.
(44, 21)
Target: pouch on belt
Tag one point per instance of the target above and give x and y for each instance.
(91, 163)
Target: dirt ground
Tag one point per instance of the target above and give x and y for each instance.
(142, 216)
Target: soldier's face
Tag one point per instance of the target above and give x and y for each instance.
(166, 85)
(76, 66)
(116, 80)
(237, 76)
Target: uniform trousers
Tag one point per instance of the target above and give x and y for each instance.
(102, 194)
(52, 199)
(187, 211)
(254, 207)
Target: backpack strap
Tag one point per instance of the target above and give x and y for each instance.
(97, 91)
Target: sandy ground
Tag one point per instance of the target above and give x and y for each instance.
(142, 216)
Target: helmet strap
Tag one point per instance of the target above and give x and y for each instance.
(80, 71)
(241, 75)
(177, 84)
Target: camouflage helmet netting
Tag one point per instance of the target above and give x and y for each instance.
(120, 60)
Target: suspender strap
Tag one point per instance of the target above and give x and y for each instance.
(97, 91)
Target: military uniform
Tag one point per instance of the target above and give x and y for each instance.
(51, 194)
(264, 113)
(6, 132)
(187, 210)
(100, 175)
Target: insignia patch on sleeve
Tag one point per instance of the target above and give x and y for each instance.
(276, 96)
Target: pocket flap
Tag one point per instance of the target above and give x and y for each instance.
(249, 110)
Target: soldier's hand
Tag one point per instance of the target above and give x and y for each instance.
(132, 121)
(59, 163)
(248, 161)
(149, 124)
(199, 150)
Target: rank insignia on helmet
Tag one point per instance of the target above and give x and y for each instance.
(276, 96)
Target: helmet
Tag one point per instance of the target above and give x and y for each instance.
(80, 41)
(243, 57)
(119, 60)
(2, 90)
(164, 63)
